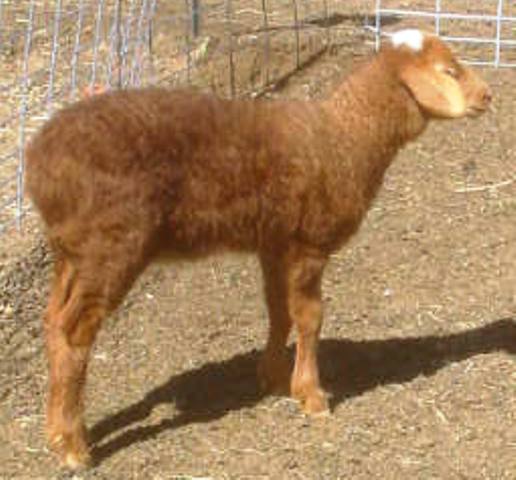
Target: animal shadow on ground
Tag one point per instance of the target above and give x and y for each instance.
(349, 368)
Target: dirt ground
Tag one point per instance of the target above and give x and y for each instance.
(418, 349)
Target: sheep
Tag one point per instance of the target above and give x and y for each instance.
(124, 178)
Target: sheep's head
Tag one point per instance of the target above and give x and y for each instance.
(441, 85)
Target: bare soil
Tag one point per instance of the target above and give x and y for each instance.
(418, 349)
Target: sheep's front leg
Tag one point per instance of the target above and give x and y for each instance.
(274, 368)
(304, 302)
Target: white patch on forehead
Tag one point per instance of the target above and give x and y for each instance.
(410, 38)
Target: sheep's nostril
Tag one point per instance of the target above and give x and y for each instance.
(487, 97)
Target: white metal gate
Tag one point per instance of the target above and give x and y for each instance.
(485, 30)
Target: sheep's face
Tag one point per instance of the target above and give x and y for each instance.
(442, 86)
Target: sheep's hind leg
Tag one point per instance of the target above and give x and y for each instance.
(274, 368)
(82, 295)
(71, 323)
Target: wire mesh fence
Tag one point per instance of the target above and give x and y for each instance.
(484, 31)
(52, 52)
(55, 51)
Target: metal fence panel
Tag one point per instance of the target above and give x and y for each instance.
(485, 31)
(53, 52)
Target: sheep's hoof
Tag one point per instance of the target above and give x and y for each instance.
(72, 451)
(315, 404)
(77, 460)
(274, 375)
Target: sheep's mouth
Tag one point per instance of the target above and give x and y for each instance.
(475, 110)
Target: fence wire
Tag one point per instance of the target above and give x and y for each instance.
(485, 31)
(53, 52)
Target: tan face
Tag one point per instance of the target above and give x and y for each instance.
(442, 86)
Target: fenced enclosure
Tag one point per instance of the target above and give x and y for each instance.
(53, 52)
(420, 307)
(485, 31)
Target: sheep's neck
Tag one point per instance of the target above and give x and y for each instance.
(375, 117)
(380, 101)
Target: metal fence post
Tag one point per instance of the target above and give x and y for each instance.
(96, 41)
(188, 47)
(378, 26)
(138, 50)
(53, 60)
(23, 114)
(1, 22)
(498, 46)
(437, 17)
(229, 34)
(196, 17)
(267, 43)
(126, 39)
(296, 32)
(114, 46)
(76, 48)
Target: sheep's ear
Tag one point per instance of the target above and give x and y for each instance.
(437, 92)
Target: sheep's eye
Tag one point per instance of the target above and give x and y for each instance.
(452, 72)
